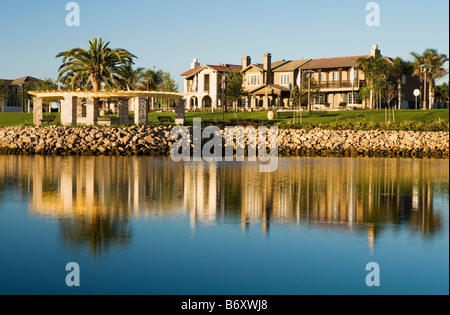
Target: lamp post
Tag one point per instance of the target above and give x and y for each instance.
(224, 87)
(424, 70)
(309, 72)
(416, 94)
(23, 93)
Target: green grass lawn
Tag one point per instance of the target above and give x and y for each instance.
(320, 117)
(354, 119)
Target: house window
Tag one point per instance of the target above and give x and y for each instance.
(285, 79)
(320, 99)
(16, 104)
(353, 98)
(355, 75)
(206, 83)
(253, 80)
(335, 76)
(16, 90)
(323, 76)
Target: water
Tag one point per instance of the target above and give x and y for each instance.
(139, 225)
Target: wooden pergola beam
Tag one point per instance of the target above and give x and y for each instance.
(60, 95)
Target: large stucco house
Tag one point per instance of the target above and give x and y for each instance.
(202, 84)
(267, 84)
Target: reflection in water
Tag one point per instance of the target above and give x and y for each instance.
(94, 198)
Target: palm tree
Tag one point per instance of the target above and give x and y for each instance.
(435, 72)
(97, 64)
(398, 69)
(130, 78)
(375, 71)
(152, 79)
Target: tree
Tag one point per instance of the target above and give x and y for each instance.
(167, 84)
(234, 91)
(365, 93)
(442, 93)
(389, 93)
(151, 79)
(375, 69)
(99, 63)
(299, 95)
(4, 92)
(129, 78)
(434, 73)
(400, 68)
(45, 85)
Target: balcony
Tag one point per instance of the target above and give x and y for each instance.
(341, 85)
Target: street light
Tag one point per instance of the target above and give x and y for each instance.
(23, 93)
(309, 73)
(424, 70)
(224, 87)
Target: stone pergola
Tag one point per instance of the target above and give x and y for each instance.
(69, 105)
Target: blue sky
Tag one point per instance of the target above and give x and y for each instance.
(169, 34)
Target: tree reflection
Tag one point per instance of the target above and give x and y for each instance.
(94, 198)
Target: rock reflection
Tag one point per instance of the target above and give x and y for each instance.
(94, 198)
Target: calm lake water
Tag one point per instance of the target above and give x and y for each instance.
(139, 225)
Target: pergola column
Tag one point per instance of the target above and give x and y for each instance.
(122, 110)
(91, 111)
(69, 110)
(37, 111)
(140, 110)
(81, 109)
(180, 112)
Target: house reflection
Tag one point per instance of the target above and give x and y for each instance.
(94, 198)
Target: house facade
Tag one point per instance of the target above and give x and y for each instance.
(259, 84)
(202, 84)
(16, 101)
(337, 82)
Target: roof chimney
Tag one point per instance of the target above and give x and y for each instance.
(268, 68)
(246, 61)
(375, 51)
(195, 63)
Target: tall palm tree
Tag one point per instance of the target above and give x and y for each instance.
(398, 69)
(99, 63)
(435, 72)
(375, 71)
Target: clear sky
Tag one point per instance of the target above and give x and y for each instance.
(169, 34)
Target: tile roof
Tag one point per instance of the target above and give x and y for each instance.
(226, 68)
(19, 81)
(274, 65)
(335, 62)
(192, 71)
(218, 68)
(291, 65)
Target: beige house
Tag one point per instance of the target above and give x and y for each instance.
(338, 80)
(265, 84)
(202, 84)
(16, 101)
